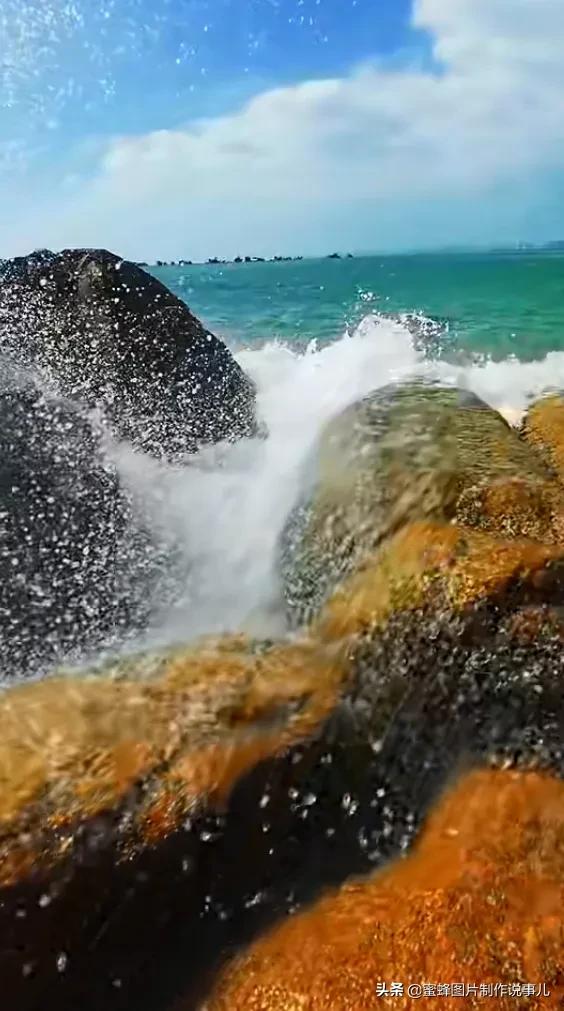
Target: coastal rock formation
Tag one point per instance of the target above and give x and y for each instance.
(157, 815)
(77, 565)
(474, 917)
(103, 331)
(128, 852)
(543, 428)
(404, 453)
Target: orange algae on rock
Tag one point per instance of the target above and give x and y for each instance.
(465, 566)
(72, 747)
(479, 901)
(543, 428)
(515, 508)
(407, 454)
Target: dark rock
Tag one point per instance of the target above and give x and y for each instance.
(77, 565)
(105, 332)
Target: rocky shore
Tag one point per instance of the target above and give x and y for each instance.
(215, 261)
(92, 347)
(106, 333)
(375, 798)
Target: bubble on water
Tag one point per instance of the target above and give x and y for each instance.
(62, 961)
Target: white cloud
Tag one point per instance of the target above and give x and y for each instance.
(490, 114)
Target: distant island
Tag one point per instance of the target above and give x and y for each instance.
(554, 246)
(215, 261)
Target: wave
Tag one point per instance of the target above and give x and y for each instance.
(227, 507)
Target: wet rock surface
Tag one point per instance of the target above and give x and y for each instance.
(405, 453)
(543, 428)
(105, 332)
(160, 815)
(134, 824)
(78, 565)
(472, 917)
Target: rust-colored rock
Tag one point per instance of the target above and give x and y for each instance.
(116, 815)
(188, 726)
(452, 567)
(543, 428)
(417, 452)
(479, 902)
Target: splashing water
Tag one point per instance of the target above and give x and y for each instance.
(227, 507)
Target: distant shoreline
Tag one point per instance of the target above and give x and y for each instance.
(523, 249)
(214, 261)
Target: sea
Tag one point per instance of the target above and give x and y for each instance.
(316, 335)
(496, 304)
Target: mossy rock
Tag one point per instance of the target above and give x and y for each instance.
(406, 453)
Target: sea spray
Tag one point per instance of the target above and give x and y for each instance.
(226, 507)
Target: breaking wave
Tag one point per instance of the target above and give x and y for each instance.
(227, 507)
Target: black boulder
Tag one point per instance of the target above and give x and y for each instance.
(107, 333)
(78, 566)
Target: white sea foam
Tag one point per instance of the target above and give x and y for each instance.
(228, 506)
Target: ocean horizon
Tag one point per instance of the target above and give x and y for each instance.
(495, 303)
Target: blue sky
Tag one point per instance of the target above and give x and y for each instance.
(199, 127)
(128, 66)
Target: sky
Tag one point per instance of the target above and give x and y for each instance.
(196, 128)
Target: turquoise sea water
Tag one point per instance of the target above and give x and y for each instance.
(505, 316)
(500, 304)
